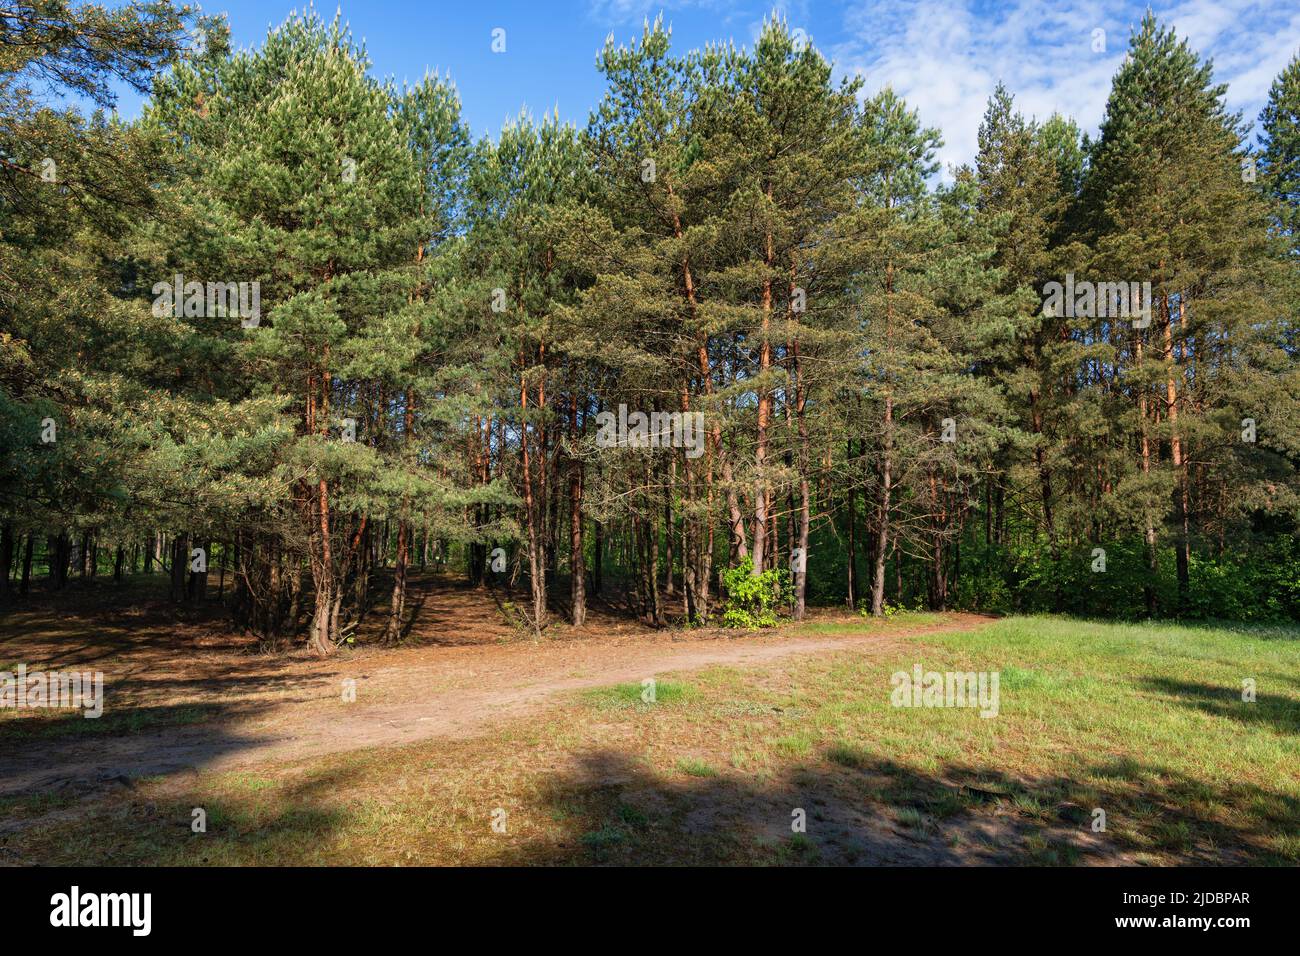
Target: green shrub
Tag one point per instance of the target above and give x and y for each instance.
(1261, 583)
(752, 598)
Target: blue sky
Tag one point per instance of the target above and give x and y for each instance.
(944, 56)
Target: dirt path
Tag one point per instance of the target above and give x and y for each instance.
(296, 712)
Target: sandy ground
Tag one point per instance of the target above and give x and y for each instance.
(463, 675)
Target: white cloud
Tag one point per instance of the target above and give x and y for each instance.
(946, 56)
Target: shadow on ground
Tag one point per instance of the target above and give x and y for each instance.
(611, 809)
(1280, 713)
(874, 811)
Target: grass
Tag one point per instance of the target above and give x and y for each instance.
(1145, 722)
(51, 723)
(648, 694)
(695, 768)
(864, 622)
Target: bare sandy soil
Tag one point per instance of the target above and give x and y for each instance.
(192, 702)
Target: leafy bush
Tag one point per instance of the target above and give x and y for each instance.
(984, 580)
(752, 598)
(887, 608)
(1260, 585)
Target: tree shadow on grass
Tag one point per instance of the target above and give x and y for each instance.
(128, 704)
(71, 755)
(1280, 713)
(874, 811)
(1258, 630)
(287, 825)
(611, 808)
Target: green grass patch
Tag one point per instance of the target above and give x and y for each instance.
(624, 696)
(696, 768)
(865, 623)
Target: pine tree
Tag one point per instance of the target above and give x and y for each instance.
(1024, 194)
(1279, 158)
(805, 153)
(326, 205)
(70, 361)
(1165, 204)
(896, 229)
(517, 186)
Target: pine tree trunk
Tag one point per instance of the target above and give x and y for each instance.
(1044, 474)
(801, 573)
(882, 535)
(1148, 588)
(704, 571)
(713, 446)
(739, 544)
(393, 631)
(397, 606)
(577, 559)
(668, 529)
(27, 565)
(6, 558)
(1183, 546)
(688, 560)
(939, 574)
(198, 589)
(656, 608)
(536, 572)
(361, 586)
(64, 543)
(852, 583)
(938, 563)
(759, 549)
(320, 639)
(323, 618)
(179, 562)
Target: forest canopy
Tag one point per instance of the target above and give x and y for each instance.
(736, 346)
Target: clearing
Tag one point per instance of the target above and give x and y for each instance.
(472, 744)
